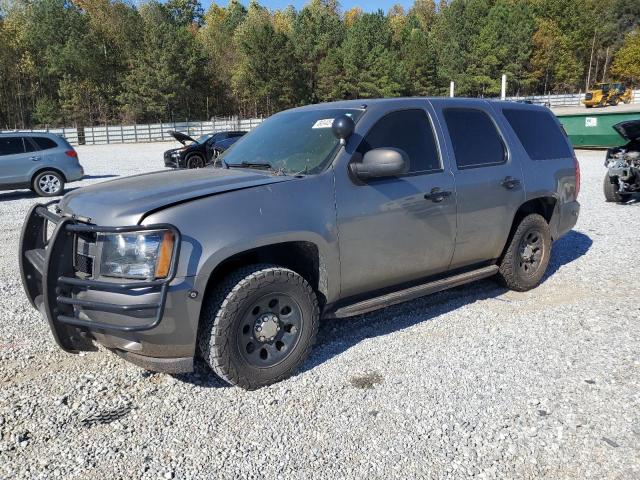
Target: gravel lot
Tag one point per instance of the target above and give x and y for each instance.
(476, 381)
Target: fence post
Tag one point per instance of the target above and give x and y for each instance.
(149, 130)
(161, 131)
(106, 129)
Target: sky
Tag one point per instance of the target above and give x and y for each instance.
(367, 6)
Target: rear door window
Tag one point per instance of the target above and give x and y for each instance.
(11, 145)
(29, 146)
(538, 133)
(410, 131)
(476, 141)
(44, 143)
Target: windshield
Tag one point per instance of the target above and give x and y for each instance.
(204, 138)
(601, 86)
(291, 142)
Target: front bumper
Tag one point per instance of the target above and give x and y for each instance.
(171, 161)
(127, 316)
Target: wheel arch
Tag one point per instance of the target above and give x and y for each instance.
(544, 206)
(302, 256)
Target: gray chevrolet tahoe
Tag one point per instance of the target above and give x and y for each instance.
(328, 210)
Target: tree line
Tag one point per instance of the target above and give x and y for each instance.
(88, 62)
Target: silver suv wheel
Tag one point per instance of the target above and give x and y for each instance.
(48, 184)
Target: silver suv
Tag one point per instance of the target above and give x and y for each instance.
(42, 162)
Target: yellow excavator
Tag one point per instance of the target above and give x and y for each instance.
(603, 94)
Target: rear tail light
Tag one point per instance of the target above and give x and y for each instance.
(577, 167)
(71, 153)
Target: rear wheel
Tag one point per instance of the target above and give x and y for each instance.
(258, 325)
(614, 102)
(195, 161)
(527, 256)
(612, 193)
(48, 183)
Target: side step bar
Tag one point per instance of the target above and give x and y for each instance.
(412, 293)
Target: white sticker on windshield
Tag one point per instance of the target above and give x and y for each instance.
(324, 123)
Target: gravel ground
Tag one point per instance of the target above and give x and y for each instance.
(477, 381)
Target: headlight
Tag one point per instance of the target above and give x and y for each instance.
(139, 255)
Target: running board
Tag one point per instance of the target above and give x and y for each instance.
(412, 293)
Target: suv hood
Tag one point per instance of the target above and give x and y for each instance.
(126, 201)
(183, 138)
(629, 130)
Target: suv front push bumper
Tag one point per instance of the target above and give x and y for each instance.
(52, 283)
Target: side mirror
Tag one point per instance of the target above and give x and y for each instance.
(381, 162)
(342, 127)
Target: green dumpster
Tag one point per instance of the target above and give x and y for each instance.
(592, 128)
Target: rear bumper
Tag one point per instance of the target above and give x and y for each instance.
(74, 174)
(151, 323)
(564, 219)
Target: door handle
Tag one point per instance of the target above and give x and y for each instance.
(34, 159)
(436, 195)
(510, 183)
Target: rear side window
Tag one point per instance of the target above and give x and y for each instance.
(538, 133)
(44, 143)
(408, 130)
(11, 145)
(476, 141)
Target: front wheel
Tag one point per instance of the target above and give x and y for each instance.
(525, 261)
(258, 325)
(195, 161)
(48, 183)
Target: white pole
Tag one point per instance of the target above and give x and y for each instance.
(503, 96)
(452, 89)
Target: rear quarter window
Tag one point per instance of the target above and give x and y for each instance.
(44, 143)
(538, 133)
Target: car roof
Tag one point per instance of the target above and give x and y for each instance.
(363, 104)
(52, 136)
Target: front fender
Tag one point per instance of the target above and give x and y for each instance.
(216, 228)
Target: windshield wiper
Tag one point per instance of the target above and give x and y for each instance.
(260, 165)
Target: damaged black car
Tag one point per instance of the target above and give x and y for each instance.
(200, 152)
(623, 164)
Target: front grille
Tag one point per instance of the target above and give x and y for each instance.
(85, 251)
(83, 264)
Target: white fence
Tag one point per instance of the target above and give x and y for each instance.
(564, 100)
(156, 132)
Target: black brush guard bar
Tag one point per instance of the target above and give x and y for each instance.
(48, 276)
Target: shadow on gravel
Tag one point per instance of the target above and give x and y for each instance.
(338, 335)
(202, 376)
(569, 248)
(24, 194)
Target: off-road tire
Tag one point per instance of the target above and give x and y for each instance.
(611, 193)
(195, 161)
(44, 188)
(225, 310)
(511, 274)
